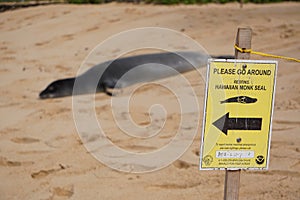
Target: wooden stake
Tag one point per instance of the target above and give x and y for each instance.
(232, 177)
(241, 3)
(232, 184)
(243, 40)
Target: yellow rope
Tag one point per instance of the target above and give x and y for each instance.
(265, 54)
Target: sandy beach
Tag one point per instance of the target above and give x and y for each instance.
(41, 154)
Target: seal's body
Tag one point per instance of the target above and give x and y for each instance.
(124, 72)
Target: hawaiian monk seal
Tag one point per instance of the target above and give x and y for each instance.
(240, 99)
(149, 67)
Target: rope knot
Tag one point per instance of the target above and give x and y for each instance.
(242, 50)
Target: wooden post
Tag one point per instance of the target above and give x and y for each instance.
(232, 177)
(241, 3)
(232, 184)
(243, 40)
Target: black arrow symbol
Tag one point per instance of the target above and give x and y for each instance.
(225, 123)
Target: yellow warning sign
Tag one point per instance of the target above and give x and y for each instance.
(238, 114)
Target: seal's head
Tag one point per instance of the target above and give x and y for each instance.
(59, 88)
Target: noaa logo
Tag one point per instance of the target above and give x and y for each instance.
(260, 159)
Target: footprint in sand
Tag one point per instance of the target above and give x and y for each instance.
(61, 68)
(68, 36)
(177, 186)
(196, 152)
(9, 163)
(94, 28)
(42, 43)
(180, 164)
(33, 16)
(66, 191)
(7, 58)
(24, 140)
(114, 20)
(44, 173)
(286, 31)
(4, 48)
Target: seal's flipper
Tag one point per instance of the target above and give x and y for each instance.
(112, 91)
(108, 92)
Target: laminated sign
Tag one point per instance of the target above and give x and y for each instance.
(238, 114)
